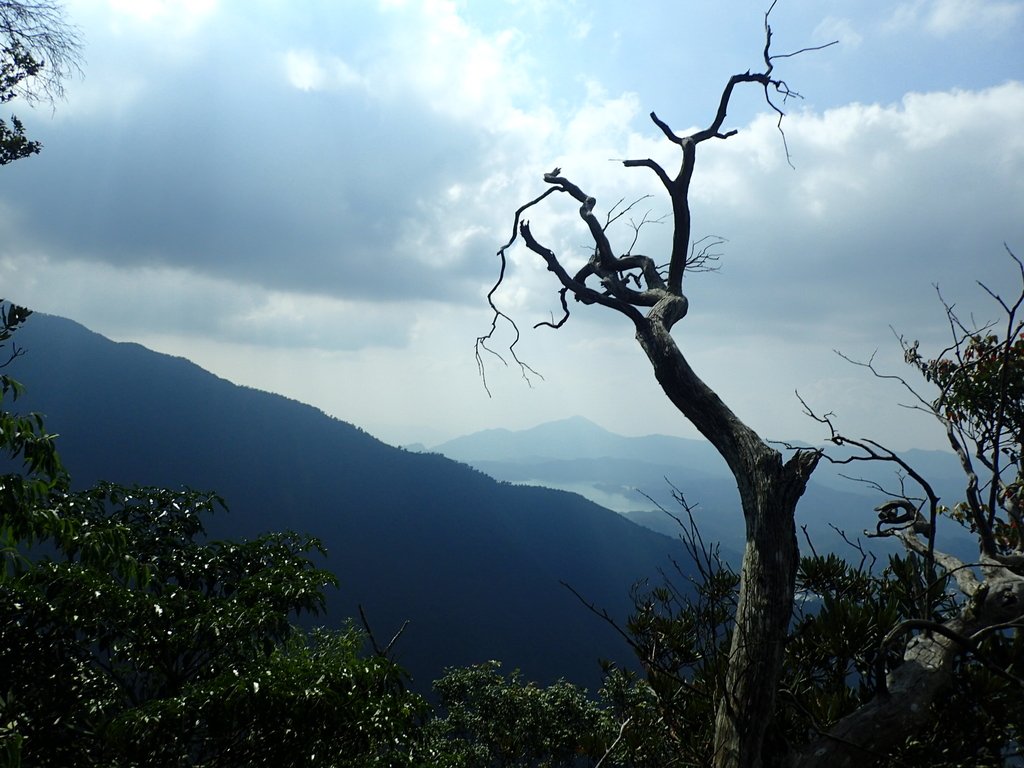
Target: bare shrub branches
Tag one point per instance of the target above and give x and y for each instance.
(978, 399)
(39, 28)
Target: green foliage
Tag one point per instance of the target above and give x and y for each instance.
(16, 65)
(492, 720)
(986, 378)
(647, 737)
(979, 721)
(128, 639)
(137, 643)
(680, 637)
(25, 442)
(981, 397)
(314, 700)
(833, 659)
(38, 50)
(831, 668)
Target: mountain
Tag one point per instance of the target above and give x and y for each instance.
(578, 438)
(474, 564)
(636, 475)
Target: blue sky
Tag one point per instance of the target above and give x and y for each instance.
(307, 197)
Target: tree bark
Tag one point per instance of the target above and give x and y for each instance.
(769, 488)
(769, 491)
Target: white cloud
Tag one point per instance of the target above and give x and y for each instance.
(841, 29)
(581, 30)
(304, 71)
(950, 16)
(167, 300)
(403, 183)
(943, 18)
(171, 16)
(449, 65)
(308, 71)
(601, 120)
(882, 150)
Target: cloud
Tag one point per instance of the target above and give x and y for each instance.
(169, 301)
(172, 19)
(309, 72)
(240, 165)
(341, 183)
(180, 12)
(434, 57)
(883, 197)
(950, 16)
(943, 18)
(885, 201)
(841, 29)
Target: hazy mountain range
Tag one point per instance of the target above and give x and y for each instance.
(474, 563)
(636, 475)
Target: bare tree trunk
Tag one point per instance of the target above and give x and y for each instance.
(764, 608)
(769, 491)
(652, 298)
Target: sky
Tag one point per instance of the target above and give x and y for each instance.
(308, 198)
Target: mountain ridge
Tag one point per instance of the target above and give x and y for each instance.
(474, 563)
(639, 476)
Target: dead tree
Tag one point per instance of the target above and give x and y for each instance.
(652, 298)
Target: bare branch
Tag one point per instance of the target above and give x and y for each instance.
(808, 49)
(40, 29)
(582, 292)
(615, 743)
(603, 614)
(384, 652)
(648, 163)
(612, 216)
(637, 226)
(481, 341)
(705, 260)
(565, 313)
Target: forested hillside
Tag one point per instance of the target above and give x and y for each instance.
(473, 564)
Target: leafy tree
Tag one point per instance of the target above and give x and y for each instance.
(15, 66)
(24, 440)
(491, 720)
(127, 638)
(838, 661)
(38, 51)
(968, 615)
(138, 643)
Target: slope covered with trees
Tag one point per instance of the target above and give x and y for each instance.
(129, 638)
(474, 565)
